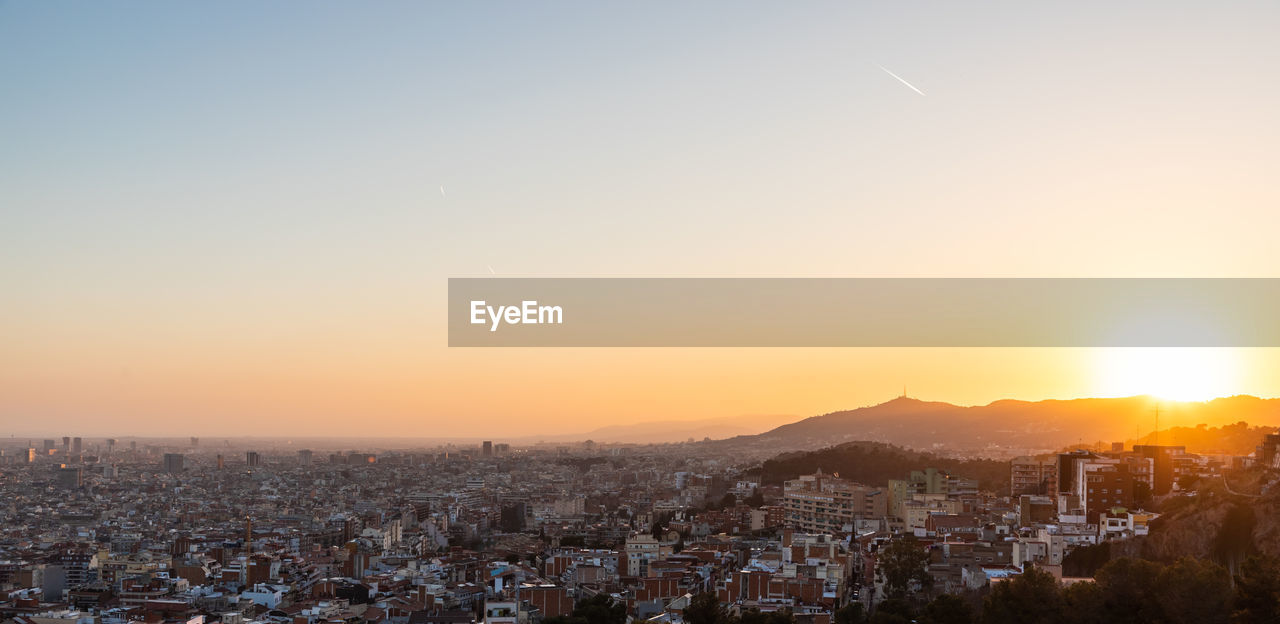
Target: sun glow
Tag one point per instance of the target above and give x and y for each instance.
(1176, 374)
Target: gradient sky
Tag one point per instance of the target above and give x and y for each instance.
(227, 218)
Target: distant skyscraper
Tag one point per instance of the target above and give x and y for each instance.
(133, 445)
(111, 445)
(195, 442)
(252, 458)
(486, 449)
(221, 462)
(174, 463)
(31, 455)
(66, 445)
(70, 478)
(77, 446)
(49, 445)
(304, 457)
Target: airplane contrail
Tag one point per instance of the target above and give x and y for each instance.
(491, 271)
(442, 192)
(899, 79)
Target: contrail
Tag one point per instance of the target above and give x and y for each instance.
(899, 79)
(491, 271)
(446, 196)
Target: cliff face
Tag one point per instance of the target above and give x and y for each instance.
(1215, 523)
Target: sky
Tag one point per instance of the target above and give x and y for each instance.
(240, 217)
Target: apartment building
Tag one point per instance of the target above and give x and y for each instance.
(821, 503)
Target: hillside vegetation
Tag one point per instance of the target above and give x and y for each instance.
(875, 463)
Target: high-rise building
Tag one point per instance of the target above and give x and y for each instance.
(111, 445)
(174, 463)
(486, 448)
(304, 457)
(77, 446)
(252, 458)
(49, 445)
(70, 477)
(66, 445)
(195, 442)
(222, 463)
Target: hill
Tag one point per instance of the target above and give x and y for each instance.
(875, 463)
(1008, 427)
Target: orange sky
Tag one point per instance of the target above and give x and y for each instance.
(219, 220)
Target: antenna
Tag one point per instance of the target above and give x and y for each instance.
(1156, 433)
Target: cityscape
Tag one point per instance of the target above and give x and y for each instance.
(202, 530)
(545, 312)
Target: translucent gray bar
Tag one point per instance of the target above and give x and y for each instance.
(865, 312)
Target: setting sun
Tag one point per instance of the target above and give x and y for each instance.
(1178, 374)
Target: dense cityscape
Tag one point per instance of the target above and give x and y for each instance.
(191, 531)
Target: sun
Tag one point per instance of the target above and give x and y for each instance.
(1175, 374)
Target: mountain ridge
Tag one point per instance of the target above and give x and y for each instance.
(1010, 426)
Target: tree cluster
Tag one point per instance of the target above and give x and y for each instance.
(1124, 590)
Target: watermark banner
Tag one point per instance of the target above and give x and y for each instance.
(863, 312)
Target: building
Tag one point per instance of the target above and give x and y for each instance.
(1104, 485)
(1267, 452)
(174, 463)
(1168, 463)
(1031, 475)
(641, 550)
(486, 448)
(1066, 471)
(304, 457)
(70, 477)
(252, 459)
(919, 485)
(821, 503)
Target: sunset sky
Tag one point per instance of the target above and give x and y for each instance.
(239, 218)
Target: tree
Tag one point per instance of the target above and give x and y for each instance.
(1127, 588)
(947, 609)
(1082, 602)
(1257, 597)
(902, 564)
(600, 609)
(851, 613)
(893, 611)
(1032, 597)
(1141, 494)
(1193, 590)
(756, 499)
(1086, 560)
(563, 619)
(755, 616)
(1234, 541)
(705, 608)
